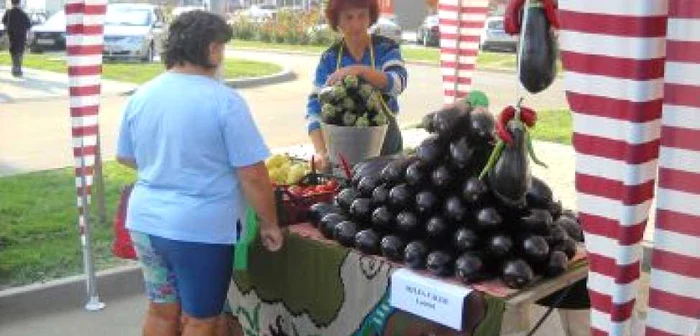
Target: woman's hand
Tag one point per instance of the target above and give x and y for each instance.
(339, 75)
(271, 236)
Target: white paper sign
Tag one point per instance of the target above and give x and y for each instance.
(429, 298)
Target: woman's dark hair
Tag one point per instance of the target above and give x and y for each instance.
(190, 35)
(335, 6)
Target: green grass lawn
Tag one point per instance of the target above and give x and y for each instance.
(553, 126)
(141, 72)
(38, 230)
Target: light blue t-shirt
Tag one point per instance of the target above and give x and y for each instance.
(188, 134)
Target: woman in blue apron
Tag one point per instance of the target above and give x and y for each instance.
(375, 59)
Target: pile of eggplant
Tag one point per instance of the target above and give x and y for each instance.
(431, 210)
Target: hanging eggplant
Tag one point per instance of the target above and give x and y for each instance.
(538, 54)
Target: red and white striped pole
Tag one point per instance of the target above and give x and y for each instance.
(461, 22)
(633, 85)
(84, 43)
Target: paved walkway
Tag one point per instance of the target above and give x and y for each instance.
(44, 85)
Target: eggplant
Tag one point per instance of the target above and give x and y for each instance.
(570, 213)
(372, 167)
(426, 203)
(488, 219)
(517, 273)
(437, 228)
(318, 210)
(380, 195)
(538, 56)
(474, 190)
(499, 246)
(415, 253)
(393, 172)
(328, 223)
(367, 185)
(401, 197)
(466, 240)
(428, 122)
(440, 263)
(510, 177)
(571, 226)
(556, 235)
(407, 222)
(430, 151)
(537, 220)
(382, 219)
(469, 268)
(442, 177)
(361, 210)
(345, 233)
(454, 209)
(535, 248)
(345, 198)
(461, 153)
(556, 209)
(557, 264)
(568, 246)
(448, 121)
(367, 241)
(539, 195)
(481, 127)
(392, 247)
(416, 174)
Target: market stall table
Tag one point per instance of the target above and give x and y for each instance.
(314, 286)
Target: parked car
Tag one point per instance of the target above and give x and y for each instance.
(133, 31)
(428, 32)
(51, 35)
(386, 26)
(494, 37)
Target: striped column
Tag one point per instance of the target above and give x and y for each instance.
(461, 22)
(613, 52)
(674, 294)
(84, 43)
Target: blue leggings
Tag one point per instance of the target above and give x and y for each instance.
(197, 275)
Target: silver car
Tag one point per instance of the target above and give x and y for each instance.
(386, 26)
(133, 31)
(494, 36)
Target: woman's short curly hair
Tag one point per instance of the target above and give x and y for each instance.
(190, 35)
(334, 7)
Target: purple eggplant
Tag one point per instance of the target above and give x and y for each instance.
(537, 220)
(539, 195)
(367, 241)
(481, 126)
(535, 248)
(328, 223)
(430, 151)
(417, 174)
(401, 197)
(469, 268)
(488, 219)
(517, 273)
(442, 177)
(382, 219)
(474, 190)
(557, 264)
(538, 56)
(454, 210)
(415, 254)
(440, 263)
(392, 247)
(466, 240)
(510, 177)
(407, 222)
(345, 233)
(571, 226)
(437, 228)
(367, 185)
(461, 153)
(380, 195)
(426, 203)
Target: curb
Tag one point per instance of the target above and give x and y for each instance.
(244, 83)
(67, 293)
(283, 76)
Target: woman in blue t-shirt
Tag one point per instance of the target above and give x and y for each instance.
(200, 161)
(373, 58)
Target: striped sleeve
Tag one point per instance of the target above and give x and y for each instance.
(313, 106)
(394, 67)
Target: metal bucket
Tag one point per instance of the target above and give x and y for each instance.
(353, 143)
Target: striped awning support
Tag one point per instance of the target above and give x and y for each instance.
(633, 85)
(461, 23)
(84, 43)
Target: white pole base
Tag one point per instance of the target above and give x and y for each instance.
(94, 304)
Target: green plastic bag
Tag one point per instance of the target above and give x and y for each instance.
(240, 256)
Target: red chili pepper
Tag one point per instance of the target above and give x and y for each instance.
(550, 10)
(512, 17)
(528, 116)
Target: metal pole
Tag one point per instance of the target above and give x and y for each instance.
(99, 183)
(93, 303)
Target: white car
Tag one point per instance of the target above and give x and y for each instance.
(494, 36)
(386, 26)
(133, 31)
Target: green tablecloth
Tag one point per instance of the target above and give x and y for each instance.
(315, 287)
